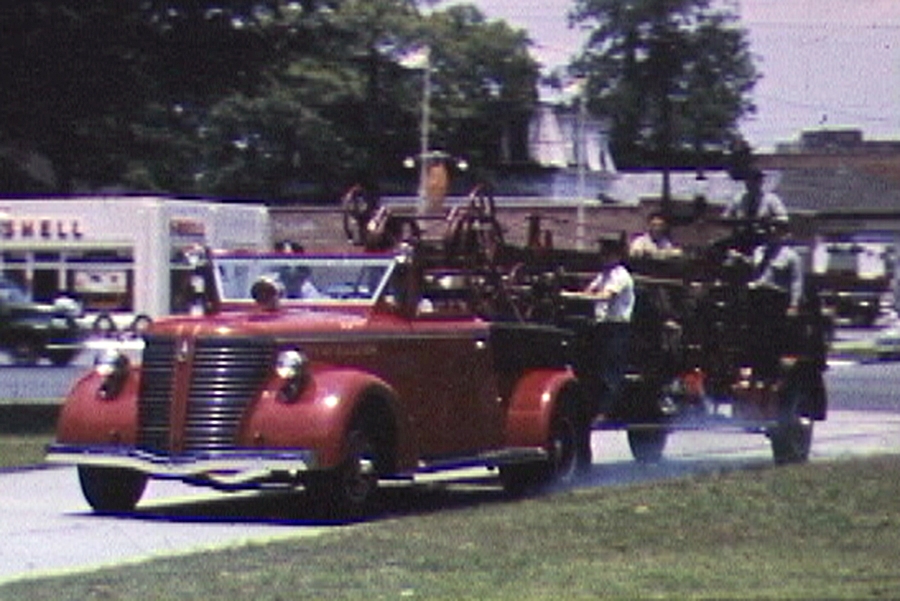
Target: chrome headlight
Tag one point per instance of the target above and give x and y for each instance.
(113, 367)
(292, 367)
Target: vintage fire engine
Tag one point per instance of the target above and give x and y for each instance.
(418, 353)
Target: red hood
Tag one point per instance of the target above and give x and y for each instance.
(293, 321)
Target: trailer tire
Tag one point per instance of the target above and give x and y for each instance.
(791, 441)
(647, 444)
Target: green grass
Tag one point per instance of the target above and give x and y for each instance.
(18, 450)
(817, 531)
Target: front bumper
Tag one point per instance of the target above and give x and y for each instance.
(224, 468)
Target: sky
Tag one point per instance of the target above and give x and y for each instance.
(825, 63)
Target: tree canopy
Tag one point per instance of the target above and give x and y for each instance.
(674, 76)
(262, 98)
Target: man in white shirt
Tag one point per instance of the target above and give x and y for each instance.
(655, 242)
(613, 288)
(613, 294)
(778, 266)
(755, 203)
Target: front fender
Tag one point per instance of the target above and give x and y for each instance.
(534, 400)
(86, 418)
(318, 418)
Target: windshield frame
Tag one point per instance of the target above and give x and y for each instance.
(268, 264)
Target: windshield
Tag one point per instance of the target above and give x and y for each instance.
(11, 293)
(306, 278)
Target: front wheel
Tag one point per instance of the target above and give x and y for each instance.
(348, 490)
(61, 357)
(111, 490)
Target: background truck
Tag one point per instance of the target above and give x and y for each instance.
(854, 280)
(122, 258)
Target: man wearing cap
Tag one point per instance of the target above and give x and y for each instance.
(754, 203)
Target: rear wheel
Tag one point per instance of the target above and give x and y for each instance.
(111, 490)
(559, 467)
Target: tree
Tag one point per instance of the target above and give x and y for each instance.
(485, 85)
(674, 76)
(244, 97)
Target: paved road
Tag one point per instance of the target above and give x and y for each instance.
(47, 528)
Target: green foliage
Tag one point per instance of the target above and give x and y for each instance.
(485, 83)
(816, 531)
(674, 75)
(244, 98)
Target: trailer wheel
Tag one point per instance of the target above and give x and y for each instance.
(111, 490)
(792, 440)
(647, 444)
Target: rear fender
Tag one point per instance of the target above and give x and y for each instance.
(535, 398)
(319, 417)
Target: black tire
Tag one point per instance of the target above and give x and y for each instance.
(647, 444)
(61, 357)
(560, 467)
(139, 324)
(791, 441)
(104, 325)
(349, 490)
(26, 352)
(111, 490)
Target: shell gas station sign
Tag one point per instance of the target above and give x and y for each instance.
(39, 228)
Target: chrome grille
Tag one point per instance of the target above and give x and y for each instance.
(154, 402)
(226, 375)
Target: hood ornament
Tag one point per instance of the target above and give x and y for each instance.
(183, 351)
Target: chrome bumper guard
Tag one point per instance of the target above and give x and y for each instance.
(223, 467)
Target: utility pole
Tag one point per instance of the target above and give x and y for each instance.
(423, 133)
(582, 166)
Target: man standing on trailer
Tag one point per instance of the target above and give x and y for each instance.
(612, 291)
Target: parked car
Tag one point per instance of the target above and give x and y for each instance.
(30, 331)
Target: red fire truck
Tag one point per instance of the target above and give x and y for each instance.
(419, 353)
